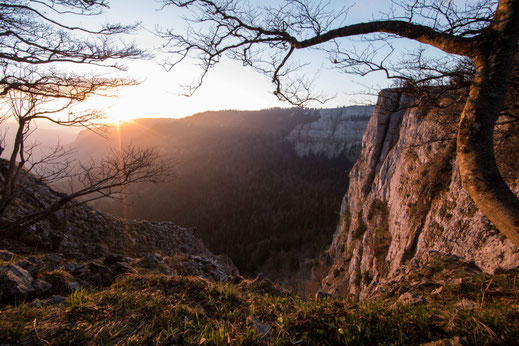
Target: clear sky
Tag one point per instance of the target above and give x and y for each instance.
(228, 85)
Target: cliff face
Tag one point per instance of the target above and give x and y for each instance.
(332, 133)
(405, 201)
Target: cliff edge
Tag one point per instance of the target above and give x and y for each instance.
(405, 200)
(333, 133)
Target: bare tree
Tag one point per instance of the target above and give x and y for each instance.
(91, 181)
(486, 32)
(31, 33)
(35, 46)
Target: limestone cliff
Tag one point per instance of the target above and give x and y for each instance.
(405, 200)
(334, 132)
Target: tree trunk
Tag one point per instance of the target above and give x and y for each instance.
(480, 175)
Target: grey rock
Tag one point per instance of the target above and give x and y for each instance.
(322, 295)
(120, 268)
(100, 275)
(152, 260)
(333, 132)
(53, 300)
(6, 255)
(467, 304)
(31, 264)
(76, 269)
(41, 286)
(392, 215)
(114, 258)
(75, 286)
(55, 258)
(82, 233)
(15, 282)
(410, 299)
(261, 329)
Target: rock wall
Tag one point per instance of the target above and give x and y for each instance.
(332, 133)
(405, 200)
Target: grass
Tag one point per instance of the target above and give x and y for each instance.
(157, 309)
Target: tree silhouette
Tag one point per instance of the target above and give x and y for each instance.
(35, 46)
(486, 32)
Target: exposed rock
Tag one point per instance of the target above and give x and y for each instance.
(76, 269)
(53, 300)
(114, 258)
(15, 282)
(32, 264)
(410, 299)
(41, 287)
(467, 304)
(152, 260)
(6, 255)
(322, 295)
(405, 202)
(334, 132)
(120, 268)
(100, 275)
(261, 329)
(82, 233)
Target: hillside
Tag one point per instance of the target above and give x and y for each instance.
(240, 182)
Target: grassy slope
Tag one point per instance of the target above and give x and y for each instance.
(156, 309)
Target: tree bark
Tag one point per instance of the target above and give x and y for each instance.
(494, 57)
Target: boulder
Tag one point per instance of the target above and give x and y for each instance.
(100, 275)
(76, 269)
(41, 286)
(15, 282)
(115, 258)
(410, 299)
(6, 255)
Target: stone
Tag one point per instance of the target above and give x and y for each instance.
(120, 268)
(15, 282)
(322, 295)
(332, 133)
(100, 275)
(53, 300)
(394, 214)
(75, 286)
(261, 329)
(76, 269)
(152, 260)
(32, 264)
(55, 258)
(410, 299)
(41, 287)
(6, 255)
(114, 258)
(467, 304)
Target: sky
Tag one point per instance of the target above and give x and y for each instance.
(229, 85)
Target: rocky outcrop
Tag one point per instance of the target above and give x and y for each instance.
(81, 233)
(332, 133)
(405, 200)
